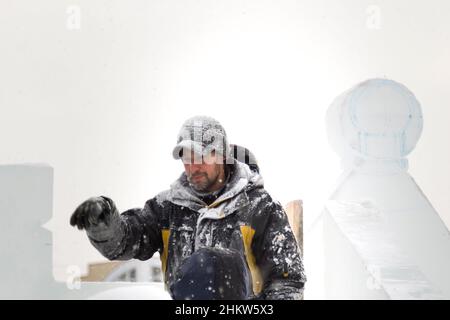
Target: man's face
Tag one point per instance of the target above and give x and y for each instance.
(202, 172)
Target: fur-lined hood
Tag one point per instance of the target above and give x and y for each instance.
(234, 196)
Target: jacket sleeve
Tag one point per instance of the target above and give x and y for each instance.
(278, 255)
(135, 233)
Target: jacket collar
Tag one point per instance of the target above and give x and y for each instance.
(233, 197)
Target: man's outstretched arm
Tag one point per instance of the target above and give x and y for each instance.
(132, 234)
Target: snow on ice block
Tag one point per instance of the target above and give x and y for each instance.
(386, 269)
(378, 237)
(147, 292)
(26, 197)
(396, 232)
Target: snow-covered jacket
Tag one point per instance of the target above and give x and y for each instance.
(244, 217)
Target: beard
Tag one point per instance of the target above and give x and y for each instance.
(200, 181)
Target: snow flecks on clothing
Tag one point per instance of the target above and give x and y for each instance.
(243, 217)
(208, 274)
(279, 239)
(204, 236)
(162, 197)
(182, 194)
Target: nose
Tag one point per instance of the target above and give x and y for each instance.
(193, 168)
(196, 169)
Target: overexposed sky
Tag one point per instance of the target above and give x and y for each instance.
(99, 89)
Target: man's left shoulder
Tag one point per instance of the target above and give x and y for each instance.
(261, 199)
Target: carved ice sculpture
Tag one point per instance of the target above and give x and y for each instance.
(26, 199)
(378, 236)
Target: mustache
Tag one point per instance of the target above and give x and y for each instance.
(197, 174)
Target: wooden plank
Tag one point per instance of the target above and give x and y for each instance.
(294, 211)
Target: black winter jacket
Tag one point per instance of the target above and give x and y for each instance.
(244, 218)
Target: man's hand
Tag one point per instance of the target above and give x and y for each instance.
(93, 212)
(103, 224)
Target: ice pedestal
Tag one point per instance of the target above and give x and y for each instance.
(378, 236)
(26, 196)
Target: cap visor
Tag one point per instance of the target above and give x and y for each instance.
(186, 145)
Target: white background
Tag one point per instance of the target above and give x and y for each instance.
(99, 89)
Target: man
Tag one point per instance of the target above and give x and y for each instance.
(219, 233)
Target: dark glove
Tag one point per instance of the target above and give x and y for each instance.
(99, 216)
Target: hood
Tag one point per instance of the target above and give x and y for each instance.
(242, 179)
